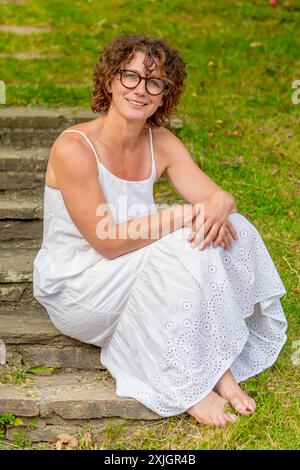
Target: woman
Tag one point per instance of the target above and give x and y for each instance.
(179, 327)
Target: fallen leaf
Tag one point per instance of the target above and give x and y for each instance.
(42, 370)
(248, 215)
(18, 422)
(240, 159)
(274, 170)
(212, 64)
(67, 439)
(255, 44)
(225, 164)
(32, 394)
(58, 445)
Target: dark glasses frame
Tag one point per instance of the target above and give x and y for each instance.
(121, 72)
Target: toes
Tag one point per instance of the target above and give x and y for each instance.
(250, 404)
(241, 407)
(231, 417)
(220, 421)
(223, 421)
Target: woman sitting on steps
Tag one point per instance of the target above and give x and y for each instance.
(179, 327)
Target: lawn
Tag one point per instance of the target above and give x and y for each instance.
(239, 123)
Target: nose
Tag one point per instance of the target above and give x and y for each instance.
(141, 88)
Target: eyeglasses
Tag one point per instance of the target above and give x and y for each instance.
(131, 79)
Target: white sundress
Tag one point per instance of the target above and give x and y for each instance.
(170, 319)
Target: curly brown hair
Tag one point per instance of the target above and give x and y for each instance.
(119, 51)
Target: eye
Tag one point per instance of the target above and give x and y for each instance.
(130, 75)
(154, 83)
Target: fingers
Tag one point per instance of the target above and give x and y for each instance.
(224, 238)
(195, 231)
(191, 236)
(220, 237)
(225, 235)
(227, 241)
(197, 221)
(206, 240)
(232, 230)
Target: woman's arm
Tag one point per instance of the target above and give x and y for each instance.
(195, 186)
(77, 176)
(136, 233)
(181, 170)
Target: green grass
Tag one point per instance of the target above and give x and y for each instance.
(13, 375)
(238, 122)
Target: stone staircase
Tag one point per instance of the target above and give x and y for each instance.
(80, 393)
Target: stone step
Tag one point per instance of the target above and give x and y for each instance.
(16, 266)
(16, 274)
(21, 215)
(68, 402)
(28, 235)
(27, 159)
(16, 293)
(31, 339)
(30, 127)
(21, 206)
(23, 168)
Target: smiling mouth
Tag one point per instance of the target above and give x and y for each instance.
(136, 103)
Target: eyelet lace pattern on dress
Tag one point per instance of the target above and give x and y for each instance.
(183, 329)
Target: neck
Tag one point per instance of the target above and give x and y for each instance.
(120, 134)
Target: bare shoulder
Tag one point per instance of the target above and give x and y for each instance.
(163, 135)
(67, 139)
(167, 141)
(71, 154)
(167, 147)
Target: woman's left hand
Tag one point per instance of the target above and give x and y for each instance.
(216, 227)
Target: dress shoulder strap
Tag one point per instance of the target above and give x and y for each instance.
(152, 155)
(151, 146)
(87, 139)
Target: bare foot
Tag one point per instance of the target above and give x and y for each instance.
(229, 389)
(211, 410)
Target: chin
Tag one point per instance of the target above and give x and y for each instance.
(134, 115)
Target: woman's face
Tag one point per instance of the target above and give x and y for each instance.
(122, 97)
